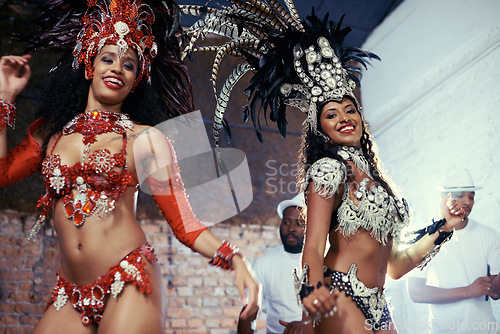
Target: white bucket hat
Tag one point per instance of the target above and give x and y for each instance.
(296, 201)
(457, 180)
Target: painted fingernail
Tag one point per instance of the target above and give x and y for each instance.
(332, 312)
(326, 315)
(319, 285)
(452, 211)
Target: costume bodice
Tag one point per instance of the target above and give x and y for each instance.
(97, 172)
(96, 175)
(92, 185)
(363, 205)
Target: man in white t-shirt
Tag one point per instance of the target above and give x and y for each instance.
(462, 280)
(274, 270)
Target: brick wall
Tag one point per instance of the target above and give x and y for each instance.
(201, 299)
(27, 272)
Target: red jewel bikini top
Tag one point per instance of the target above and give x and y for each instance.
(96, 184)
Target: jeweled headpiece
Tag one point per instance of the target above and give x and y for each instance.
(322, 77)
(79, 28)
(296, 63)
(123, 23)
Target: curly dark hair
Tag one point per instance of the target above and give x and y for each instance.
(313, 147)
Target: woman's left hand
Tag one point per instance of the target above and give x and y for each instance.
(244, 280)
(452, 212)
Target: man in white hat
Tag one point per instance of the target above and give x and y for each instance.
(274, 270)
(462, 280)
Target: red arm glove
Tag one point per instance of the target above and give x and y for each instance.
(177, 211)
(23, 160)
(159, 175)
(170, 195)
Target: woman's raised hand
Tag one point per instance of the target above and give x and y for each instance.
(14, 75)
(452, 212)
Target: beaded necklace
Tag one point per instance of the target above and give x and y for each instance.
(355, 154)
(96, 122)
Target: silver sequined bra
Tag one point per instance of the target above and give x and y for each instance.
(376, 211)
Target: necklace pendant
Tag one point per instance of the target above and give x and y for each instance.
(74, 212)
(61, 299)
(57, 181)
(77, 212)
(80, 207)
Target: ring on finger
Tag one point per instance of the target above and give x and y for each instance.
(332, 312)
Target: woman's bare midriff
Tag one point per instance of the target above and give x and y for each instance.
(371, 258)
(89, 250)
(367, 253)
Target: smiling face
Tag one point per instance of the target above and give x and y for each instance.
(341, 122)
(113, 78)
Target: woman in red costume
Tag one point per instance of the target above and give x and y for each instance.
(119, 75)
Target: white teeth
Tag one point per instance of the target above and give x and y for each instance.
(346, 128)
(114, 80)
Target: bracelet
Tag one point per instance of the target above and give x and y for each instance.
(440, 240)
(7, 114)
(304, 289)
(431, 229)
(433, 253)
(224, 255)
(443, 237)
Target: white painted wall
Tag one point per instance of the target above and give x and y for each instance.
(434, 102)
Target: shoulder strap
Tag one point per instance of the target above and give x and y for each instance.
(327, 175)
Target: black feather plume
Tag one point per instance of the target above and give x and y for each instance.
(272, 57)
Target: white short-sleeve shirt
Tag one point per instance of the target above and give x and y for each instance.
(274, 270)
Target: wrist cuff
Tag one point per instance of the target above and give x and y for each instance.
(7, 114)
